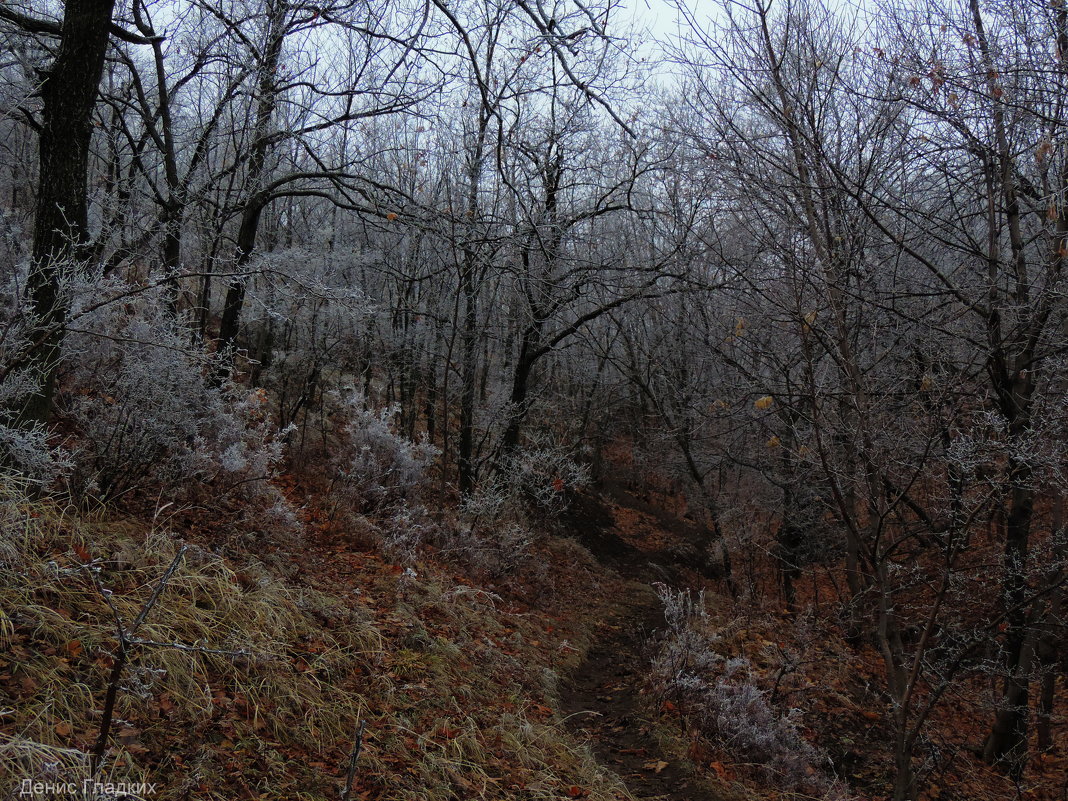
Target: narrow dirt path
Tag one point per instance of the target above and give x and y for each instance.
(602, 696)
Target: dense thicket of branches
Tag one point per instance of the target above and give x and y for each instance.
(814, 277)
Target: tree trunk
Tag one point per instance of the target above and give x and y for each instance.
(235, 292)
(1043, 724)
(468, 381)
(267, 85)
(171, 253)
(528, 354)
(1007, 741)
(61, 220)
(905, 785)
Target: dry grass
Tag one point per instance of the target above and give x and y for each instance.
(278, 676)
(456, 682)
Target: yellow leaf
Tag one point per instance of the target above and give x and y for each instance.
(774, 442)
(763, 403)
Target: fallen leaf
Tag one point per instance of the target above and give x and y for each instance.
(128, 735)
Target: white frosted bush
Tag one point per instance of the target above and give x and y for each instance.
(495, 550)
(540, 476)
(376, 466)
(528, 489)
(307, 323)
(405, 532)
(501, 521)
(26, 450)
(720, 698)
(148, 409)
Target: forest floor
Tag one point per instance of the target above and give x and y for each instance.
(461, 678)
(526, 686)
(643, 538)
(602, 697)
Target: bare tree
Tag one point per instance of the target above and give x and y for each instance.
(68, 93)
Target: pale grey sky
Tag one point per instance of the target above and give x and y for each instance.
(658, 16)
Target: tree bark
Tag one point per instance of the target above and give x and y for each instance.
(267, 86)
(468, 376)
(524, 365)
(1007, 741)
(61, 221)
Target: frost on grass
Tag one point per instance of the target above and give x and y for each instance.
(722, 701)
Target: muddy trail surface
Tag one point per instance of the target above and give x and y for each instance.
(602, 698)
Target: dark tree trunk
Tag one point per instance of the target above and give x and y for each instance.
(430, 408)
(1047, 655)
(1007, 741)
(788, 543)
(171, 253)
(468, 380)
(235, 292)
(528, 355)
(61, 221)
(258, 198)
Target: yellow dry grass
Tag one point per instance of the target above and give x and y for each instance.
(233, 673)
(264, 696)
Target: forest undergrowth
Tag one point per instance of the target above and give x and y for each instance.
(601, 665)
(252, 673)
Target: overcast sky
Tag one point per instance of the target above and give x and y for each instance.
(658, 16)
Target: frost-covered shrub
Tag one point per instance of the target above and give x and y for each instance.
(500, 522)
(530, 486)
(493, 534)
(25, 449)
(540, 476)
(307, 324)
(720, 698)
(405, 532)
(374, 465)
(149, 412)
(494, 550)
